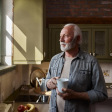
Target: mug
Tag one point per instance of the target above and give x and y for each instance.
(62, 83)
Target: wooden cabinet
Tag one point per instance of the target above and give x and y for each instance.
(28, 31)
(97, 40)
(52, 44)
(110, 43)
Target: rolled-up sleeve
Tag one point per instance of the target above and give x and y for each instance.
(98, 91)
(47, 78)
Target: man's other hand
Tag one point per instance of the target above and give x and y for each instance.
(71, 94)
(67, 95)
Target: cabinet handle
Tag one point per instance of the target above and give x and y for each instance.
(44, 54)
(111, 54)
(94, 54)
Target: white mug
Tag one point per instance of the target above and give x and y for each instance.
(62, 83)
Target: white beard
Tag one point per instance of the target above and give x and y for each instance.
(67, 46)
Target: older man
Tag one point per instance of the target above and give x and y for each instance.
(86, 81)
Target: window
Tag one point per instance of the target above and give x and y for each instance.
(0, 31)
(6, 31)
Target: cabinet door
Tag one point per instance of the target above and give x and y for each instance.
(97, 40)
(86, 40)
(28, 31)
(110, 43)
(54, 44)
(100, 45)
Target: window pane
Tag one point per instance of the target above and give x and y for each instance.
(100, 43)
(84, 45)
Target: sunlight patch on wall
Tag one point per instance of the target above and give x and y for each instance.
(8, 46)
(38, 54)
(8, 60)
(20, 39)
(9, 24)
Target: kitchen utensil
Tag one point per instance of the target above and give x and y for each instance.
(34, 74)
(41, 83)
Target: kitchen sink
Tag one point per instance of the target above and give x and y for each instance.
(32, 98)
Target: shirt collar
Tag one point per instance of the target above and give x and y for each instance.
(79, 55)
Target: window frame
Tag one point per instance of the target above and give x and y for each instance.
(0, 29)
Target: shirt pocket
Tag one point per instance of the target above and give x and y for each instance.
(83, 76)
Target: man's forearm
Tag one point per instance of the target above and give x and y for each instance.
(81, 95)
(71, 94)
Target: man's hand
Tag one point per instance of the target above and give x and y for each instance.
(52, 83)
(71, 94)
(67, 95)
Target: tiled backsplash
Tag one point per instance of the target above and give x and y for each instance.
(10, 81)
(106, 68)
(107, 71)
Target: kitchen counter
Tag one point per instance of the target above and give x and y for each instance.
(13, 106)
(26, 90)
(44, 107)
(29, 91)
(109, 91)
(40, 107)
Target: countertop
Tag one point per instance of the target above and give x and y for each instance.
(109, 91)
(43, 107)
(40, 107)
(27, 90)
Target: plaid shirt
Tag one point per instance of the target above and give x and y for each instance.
(85, 76)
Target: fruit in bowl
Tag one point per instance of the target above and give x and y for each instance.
(21, 108)
(26, 108)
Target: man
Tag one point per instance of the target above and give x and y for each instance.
(86, 82)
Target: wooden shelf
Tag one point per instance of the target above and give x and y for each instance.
(79, 20)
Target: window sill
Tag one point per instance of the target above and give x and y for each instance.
(4, 69)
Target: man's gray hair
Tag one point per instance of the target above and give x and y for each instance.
(77, 31)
